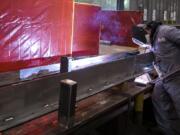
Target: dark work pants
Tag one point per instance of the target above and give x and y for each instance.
(166, 101)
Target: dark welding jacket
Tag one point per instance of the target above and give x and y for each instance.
(166, 48)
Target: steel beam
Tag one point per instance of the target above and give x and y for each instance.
(27, 100)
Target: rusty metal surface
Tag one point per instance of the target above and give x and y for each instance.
(87, 110)
(24, 101)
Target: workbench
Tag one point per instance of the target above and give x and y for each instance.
(90, 112)
(85, 94)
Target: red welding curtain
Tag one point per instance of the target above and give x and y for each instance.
(86, 30)
(117, 26)
(34, 32)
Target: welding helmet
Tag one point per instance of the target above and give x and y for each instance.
(139, 34)
(153, 26)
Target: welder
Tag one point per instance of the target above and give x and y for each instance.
(165, 41)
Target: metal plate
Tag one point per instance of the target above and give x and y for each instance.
(27, 100)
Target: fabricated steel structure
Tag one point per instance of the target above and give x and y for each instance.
(27, 100)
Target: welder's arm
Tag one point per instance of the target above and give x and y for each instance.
(173, 34)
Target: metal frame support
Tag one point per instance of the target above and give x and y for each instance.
(67, 103)
(65, 64)
(139, 105)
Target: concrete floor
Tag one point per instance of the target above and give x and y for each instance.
(110, 49)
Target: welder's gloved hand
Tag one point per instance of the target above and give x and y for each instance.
(141, 38)
(144, 48)
(141, 44)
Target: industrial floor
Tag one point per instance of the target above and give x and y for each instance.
(110, 49)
